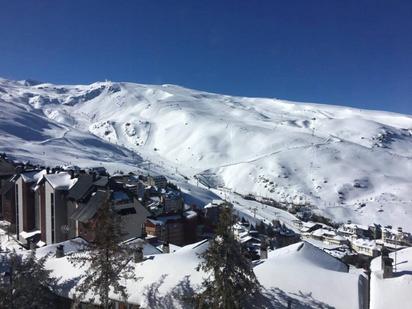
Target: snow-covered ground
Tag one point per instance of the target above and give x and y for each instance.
(348, 163)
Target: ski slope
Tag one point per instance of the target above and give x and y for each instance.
(346, 163)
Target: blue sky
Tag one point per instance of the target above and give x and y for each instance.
(356, 53)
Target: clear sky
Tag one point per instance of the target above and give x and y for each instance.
(356, 53)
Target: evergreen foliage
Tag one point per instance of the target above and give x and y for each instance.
(231, 278)
(24, 282)
(106, 261)
(270, 231)
(261, 228)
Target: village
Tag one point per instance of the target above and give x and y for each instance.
(47, 208)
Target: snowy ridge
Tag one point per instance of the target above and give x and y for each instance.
(346, 163)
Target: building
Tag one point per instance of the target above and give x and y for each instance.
(365, 247)
(172, 201)
(52, 199)
(328, 236)
(78, 194)
(376, 231)
(396, 237)
(27, 208)
(354, 230)
(7, 170)
(212, 212)
(166, 228)
(309, 227)
(190, 226)
(8, 195)
(132, 214)
(159, 182)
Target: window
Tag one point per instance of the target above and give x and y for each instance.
(52, 215)
(126, 211)
(17, 211)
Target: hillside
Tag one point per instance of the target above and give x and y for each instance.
(346, 163)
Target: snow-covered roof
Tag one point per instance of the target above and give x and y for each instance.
(299, 271)
(32, 176)
(190, 214)
(163, 272)
(356, 226)
(148, 249)
(60, 181)
(172, 248)
(302, 269)
(392, 292)
(27, 235)
(215, 203)
(323, 232)
(69, 246)
(366, 243)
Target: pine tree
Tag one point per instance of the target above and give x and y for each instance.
(261, 228)
(105, 260)
(25, 283)
(270, 231)
(231, 277)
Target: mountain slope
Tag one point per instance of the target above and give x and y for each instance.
(347, 163)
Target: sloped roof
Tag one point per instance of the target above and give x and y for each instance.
(62, 181)
(87, 210)
(81, 187)
(102, 181)
(32, 176)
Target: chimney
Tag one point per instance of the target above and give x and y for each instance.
(60, 251)
(166, 247)
(71, 172)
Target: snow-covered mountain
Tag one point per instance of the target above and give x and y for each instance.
(345, 162)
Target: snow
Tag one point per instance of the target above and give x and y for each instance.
(69, 246)
(392, 292)
(362, 242)
(299, 272)
(346, 163)
(302, 269)
(33, 176)
(190, 214)
(8, 242)
(60, 181)
(27, 235)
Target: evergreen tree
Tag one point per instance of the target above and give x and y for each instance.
(270, 231)
(261, 228)
(105, 260)
(231, 277)
(25, 283)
